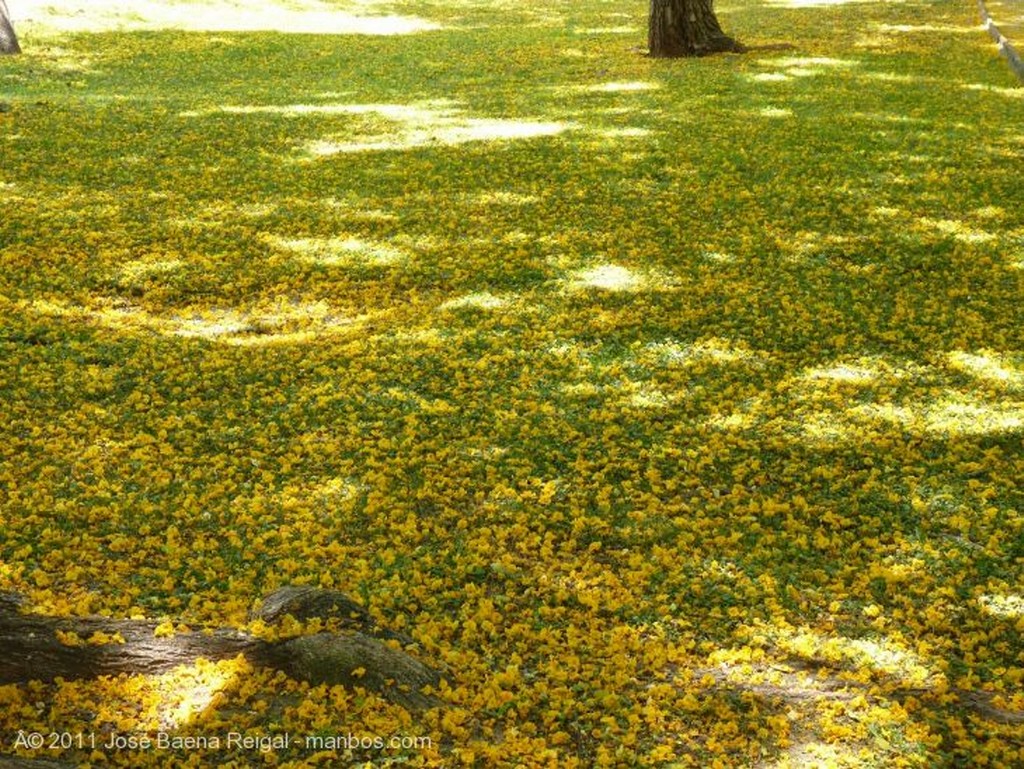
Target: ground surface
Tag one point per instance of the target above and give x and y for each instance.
(1009, 17)
(674, 407)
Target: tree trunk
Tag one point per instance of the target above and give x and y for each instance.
(8, 40)
(38, 648)
(686, 28)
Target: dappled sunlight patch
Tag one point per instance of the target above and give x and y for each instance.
(417, 111)
(631, 86)
(804, 63)
(955, 29)
(565, 350)
(188, 692)
(624, 133)
(1003, 606)
(385, 126)
(338, 490)
(715, 350)
(808, 750)
(582, 389)
(512, 237)
(990, 213)
(876, 655)
(341, 250)
(211, 325)
(718, 257)
(622, 377)
(856, 399)
(844, 373)
(428, 124)
(886, 657)
(1009, 93)
(769, 77)
(645, 396)
(172, 703)
(957, 229)
(864, 369)
(355, 211)
(409, 113)
(481, 300)
(456, 132)
(502, 198)
(619, 30)
(884, 117)
(821, 428)
(607, 277)
(62, 60)
(815, 3)
(952, 414)
(139, 269)
(887, 212)
(429, 337)
(221, 213)
(285, 322)
(895, 77)
(786, 69)
(774, 112)
(256, 210)
(310, 17)
(988, 366)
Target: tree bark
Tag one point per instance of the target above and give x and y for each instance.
(8, 40)
(687, 28)
(31, 650)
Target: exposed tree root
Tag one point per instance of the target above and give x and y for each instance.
(34, 647)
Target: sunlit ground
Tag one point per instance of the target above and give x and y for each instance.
(674, 408)
(365, 17)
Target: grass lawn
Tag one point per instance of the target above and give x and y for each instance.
(675, 408)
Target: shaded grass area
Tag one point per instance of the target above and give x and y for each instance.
(590, 371)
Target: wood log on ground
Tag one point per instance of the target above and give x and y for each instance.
(41, 648)
(15, 762)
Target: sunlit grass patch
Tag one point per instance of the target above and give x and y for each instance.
(482, 300)
(609, 277)
(440, 132)
(281, 322)
(294, 16)
(619, 87)
(813, 3)
(339, 250)
(1005, 606)
(989, 367)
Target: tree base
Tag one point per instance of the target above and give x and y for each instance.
(8, 40)
(687, 28)
(723, 44)
(38, 648)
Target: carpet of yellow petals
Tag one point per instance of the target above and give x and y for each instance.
(674, 408)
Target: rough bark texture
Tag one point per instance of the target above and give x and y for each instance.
(13, 762)
(31, 650)
(686, 28)
(8, 40)
(304, 602)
